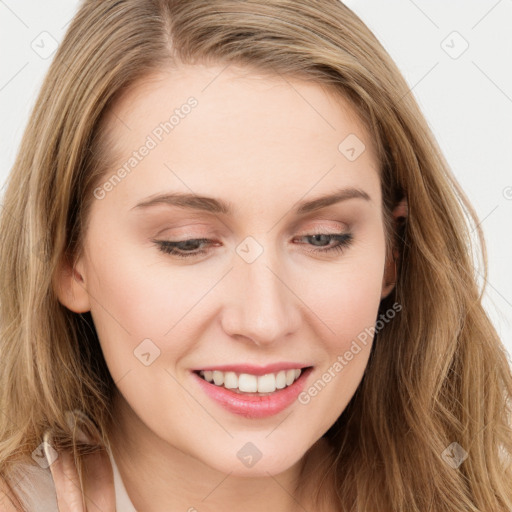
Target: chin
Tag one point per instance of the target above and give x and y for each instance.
(256, 458)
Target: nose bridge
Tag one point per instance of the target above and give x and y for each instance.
(262, 308)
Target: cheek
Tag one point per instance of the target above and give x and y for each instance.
(348, 307)
(133, 300)
(146, 291)
(346, 299)
(349, 301)
(345, 296)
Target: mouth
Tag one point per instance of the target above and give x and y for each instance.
(250, 395)
(251, 384)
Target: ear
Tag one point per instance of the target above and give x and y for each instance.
(69, 286)
(390, 275)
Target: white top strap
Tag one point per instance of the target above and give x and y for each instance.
(35, 487)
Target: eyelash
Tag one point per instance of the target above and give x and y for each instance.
(169, 247)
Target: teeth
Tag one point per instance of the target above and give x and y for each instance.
(290, 377)
(247, 383)
(266, 383)
(230, 380)
(218, 378)
(281, 380)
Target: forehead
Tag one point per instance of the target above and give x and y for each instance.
(230, 96)
(247, 131)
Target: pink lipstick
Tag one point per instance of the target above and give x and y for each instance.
(253, 404)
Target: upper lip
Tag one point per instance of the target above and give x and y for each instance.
(253, 370)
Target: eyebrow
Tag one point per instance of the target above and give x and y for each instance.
(213, 205)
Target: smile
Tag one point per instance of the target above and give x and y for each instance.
(247, 383)
(250, 395)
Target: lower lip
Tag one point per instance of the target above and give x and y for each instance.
(254, 406)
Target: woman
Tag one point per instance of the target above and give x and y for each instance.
(236, 272)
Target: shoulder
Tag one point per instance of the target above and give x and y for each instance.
(28, 484)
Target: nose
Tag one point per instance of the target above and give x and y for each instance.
(260, 305)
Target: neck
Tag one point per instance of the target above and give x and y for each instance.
(158, 476)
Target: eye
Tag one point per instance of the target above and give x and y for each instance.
(184, 248)
(343, 240)
(192, 246)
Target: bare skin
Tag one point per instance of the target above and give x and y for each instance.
(262, 144)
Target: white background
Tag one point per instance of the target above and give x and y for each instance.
(467, 100)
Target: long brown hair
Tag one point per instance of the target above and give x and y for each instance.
(438, 374)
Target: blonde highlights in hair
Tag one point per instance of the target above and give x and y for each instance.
(438, 373)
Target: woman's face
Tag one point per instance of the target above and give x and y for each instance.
(282, 281)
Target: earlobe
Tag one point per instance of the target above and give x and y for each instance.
(401, 210)
(69, 286)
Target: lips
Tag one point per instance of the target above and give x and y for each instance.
(254, 404)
